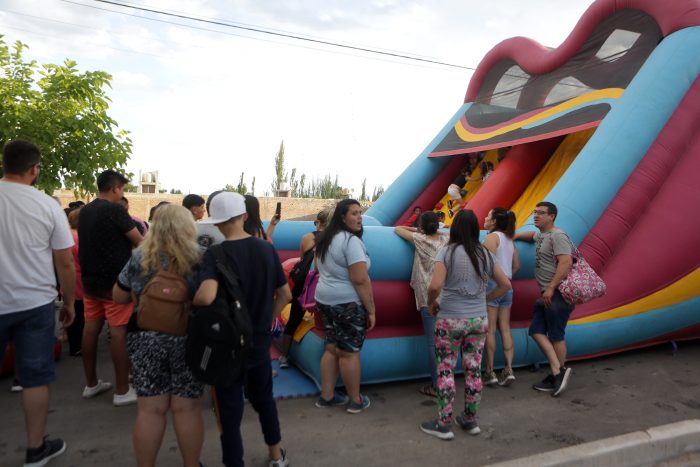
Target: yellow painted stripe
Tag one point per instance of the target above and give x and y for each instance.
(680, 291)
(608, 93)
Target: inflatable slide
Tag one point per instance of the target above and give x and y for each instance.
(606, 127)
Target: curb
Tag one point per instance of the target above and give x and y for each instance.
(640, 448)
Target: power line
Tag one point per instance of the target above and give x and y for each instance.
(81, 26)
(54, 36)
(279, 34)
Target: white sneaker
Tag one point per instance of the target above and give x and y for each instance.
(16, 387)
(284, 361)
(125, 399)
(97, 389)
(283, 462)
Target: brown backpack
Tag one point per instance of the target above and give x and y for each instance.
(164, 305)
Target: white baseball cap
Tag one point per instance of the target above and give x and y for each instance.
(225, 206)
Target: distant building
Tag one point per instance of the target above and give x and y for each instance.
(284, 191)
(149, 182)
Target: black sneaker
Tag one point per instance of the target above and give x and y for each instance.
(546, 385)
(51, 448)
(561, 381)
(470, 426)
(433, 428)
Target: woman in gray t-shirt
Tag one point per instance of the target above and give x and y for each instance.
(457, 298)
(345, 302)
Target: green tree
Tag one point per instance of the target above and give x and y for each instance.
(280, 174)
(241, 188)
(64, 112)
(229, 188)
(300, 191)
(363, 195)
(252, 187)
(293, 183)
(378, 191)
(131, 188)
(174, 191)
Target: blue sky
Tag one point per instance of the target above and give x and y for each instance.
(203, 106)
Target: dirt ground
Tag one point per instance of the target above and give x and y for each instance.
(607, 396)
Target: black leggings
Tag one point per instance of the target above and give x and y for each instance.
(296, 315)
(75, 330)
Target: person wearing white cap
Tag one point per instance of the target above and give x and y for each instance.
(265, 292)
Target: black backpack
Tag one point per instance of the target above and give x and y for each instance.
(299, 272)
(220, 335)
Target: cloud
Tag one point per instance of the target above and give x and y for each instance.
(131, 79)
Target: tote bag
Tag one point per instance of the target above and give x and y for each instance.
(582, 284)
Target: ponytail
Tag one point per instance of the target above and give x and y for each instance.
(504, 221)
(510, 228)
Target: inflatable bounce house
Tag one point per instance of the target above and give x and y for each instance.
(606, 126)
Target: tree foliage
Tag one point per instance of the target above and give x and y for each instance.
(241, 187)
(301, 186)
(280, 174)
(64, 112)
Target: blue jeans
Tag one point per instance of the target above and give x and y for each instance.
(32, 332)
(429, 331)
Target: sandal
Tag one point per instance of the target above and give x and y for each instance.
(428, 390)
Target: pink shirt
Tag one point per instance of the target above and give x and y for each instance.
(76, 261)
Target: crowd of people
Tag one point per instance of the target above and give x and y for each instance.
(103, 258)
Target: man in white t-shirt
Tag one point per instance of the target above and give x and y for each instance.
(34, 239)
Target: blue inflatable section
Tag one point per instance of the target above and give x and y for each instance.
(622, 139)
(387, 359)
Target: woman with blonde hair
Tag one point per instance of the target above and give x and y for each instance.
(162, 380)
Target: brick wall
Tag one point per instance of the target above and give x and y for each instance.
(141, 203)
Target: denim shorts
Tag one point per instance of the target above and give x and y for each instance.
(504, 301)
(551, 321)
(345, 325)
(33, 334)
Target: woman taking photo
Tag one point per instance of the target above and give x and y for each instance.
(253, 224)
(162, 380)
(501, 225)
(427, 242)
(345, 302)
(460, 277)
(296, 312)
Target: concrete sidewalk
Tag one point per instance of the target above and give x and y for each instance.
(673, 444)
(607, 397)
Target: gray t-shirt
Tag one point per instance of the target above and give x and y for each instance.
(464, 293)
(334, 285)
(549, 245)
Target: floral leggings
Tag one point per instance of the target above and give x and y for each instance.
(453, 336)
